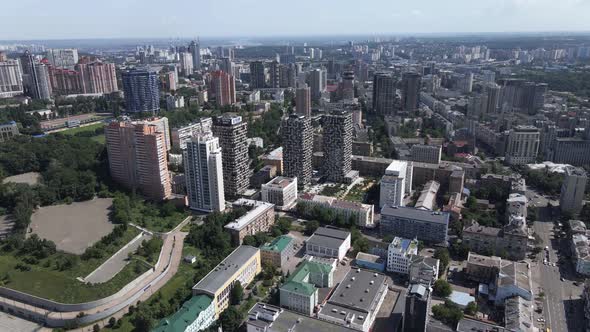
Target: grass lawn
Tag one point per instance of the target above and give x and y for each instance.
(332, 190)
(91, 128)
(356, 194)
(46, 280)
(180, 280)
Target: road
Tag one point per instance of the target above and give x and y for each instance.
(171, 256)
(107, 270)
(559, 295)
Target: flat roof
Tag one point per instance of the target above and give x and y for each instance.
(279, 244)
(259, 208)
(416, 214)
(266, 316)
(397, 168)
(328, 237)
(298, 281)
(471, 325)
(280, 182)
(356, 294)
(225, 270)
(490, 261)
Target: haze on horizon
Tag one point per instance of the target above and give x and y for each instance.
(69, 19)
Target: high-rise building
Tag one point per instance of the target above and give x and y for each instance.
(137, 158)
(317, 84)
(523, 145)
(98, 77)
(181, 135)
(257, 76)
(141, 89)
(393, 184)
(63, 58)
(232, 132)
(297, 136)
(186, 63)
(383, 93)
(36, 83)
(227, 65)
(195, 50)
(11, 79)
(274, 75)
(303, 101)
(492, 90)
(411, 83)
(573, 190)
(347, 85)
(338, 137)
(65, 81)
(203, 172)
(223, 88)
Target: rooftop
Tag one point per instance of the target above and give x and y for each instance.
(278, 245)
(265, 316)
(489, 261)
(185, 316)
(397, 168)
(416, 214)
(362, 256)
(328, 237)
(518, 314)
(355, 296)
(479, 229)
(276, 154)
(225, 270)
(259, 208)
(470, 325)
(280, 182)
(515, 273)
(297, 282)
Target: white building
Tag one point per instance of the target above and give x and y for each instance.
(174, 102)
(280, 191)
(581, 253)
(195, 315)
(514, 279)
(394, 184)
(523, 145)
(204, 173)
(426, 153)
(183, 134)
(362, 213)
(328, 242)
(516, 205)
(399, 255)
(572, 190)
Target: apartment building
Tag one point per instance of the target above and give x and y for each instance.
(280, 191)
(259, 219)
(399, 255)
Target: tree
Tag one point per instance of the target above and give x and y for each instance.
(96, 328)
(237, 293)
(311, 226)
(361, 244)
(442, 288)
(230, 319)
(447, 313)
(471, 308)
(249, 240)
(442, 254)
(143, 320)
(112, 322)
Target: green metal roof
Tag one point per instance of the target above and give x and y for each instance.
(185, 316)
(278, 245)
(295, 282)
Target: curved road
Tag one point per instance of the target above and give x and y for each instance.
(171, 256)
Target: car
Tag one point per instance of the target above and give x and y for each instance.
(562, 279)
(547, 248)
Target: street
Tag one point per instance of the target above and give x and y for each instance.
(556, 292)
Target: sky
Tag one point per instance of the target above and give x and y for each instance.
(79, 19)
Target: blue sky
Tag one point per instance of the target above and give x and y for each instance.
(64, 19)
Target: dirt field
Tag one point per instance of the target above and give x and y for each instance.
(30, 178)
(73, 227)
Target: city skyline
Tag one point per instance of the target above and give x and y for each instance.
(378, 17)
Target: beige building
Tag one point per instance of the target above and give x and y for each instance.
(137, 158)
(523, 145)
(259, 219)
(482, 268)
(280, 191)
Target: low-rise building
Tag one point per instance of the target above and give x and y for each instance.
(577, 227)
(426, 153)
(328, 242)
(410, 223)
(274, 158)
(278, 252)
(361, 213)
(427, 198)
(242, 265)
(299, 292)
(581, 253)
(356, 301)
(399, 255)
(371, 262)
(482, 268)
(268, 318)
(259, 219)
(586, 298)
(511, 241)
(263, 175)
(514, 279)
(195, 315)
(8, 130)
(424, 270)
(280, 191)
(518, 315)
